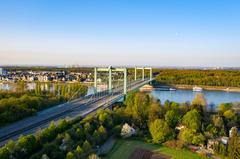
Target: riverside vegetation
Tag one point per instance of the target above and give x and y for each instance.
(154, 122)
(227, 78)
(20, 104)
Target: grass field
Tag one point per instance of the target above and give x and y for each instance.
(123, 148)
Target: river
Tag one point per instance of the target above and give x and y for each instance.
(213, 97)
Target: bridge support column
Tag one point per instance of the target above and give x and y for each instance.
(110, 80)
(143, 74)
(125, 81)
(95, 79)
(135, 77)
(151, 75)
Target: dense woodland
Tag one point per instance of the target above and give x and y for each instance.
(228, 78)
(20, 104)
(154, 122)
(42, 68)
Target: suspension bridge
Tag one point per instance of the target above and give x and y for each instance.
(81, 106)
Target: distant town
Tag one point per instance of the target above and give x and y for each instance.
(43, 76)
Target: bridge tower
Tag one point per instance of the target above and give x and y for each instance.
(110, 70)
(143, 72)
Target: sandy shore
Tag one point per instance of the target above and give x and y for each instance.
(212, 88)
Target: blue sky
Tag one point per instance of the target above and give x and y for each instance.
(123, 32)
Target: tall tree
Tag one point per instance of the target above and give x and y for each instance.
(159, 130)
(172, 117)
(155, 111)
(192, 120)
(140, 109)
(234, 144)
(200, 102)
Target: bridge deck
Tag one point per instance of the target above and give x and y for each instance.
(78, 107)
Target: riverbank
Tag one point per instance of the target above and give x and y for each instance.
(210, 88)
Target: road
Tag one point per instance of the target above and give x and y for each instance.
(78, 107)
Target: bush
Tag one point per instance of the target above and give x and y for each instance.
(174, 144)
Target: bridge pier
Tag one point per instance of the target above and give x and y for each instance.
(95, 80)
(143, 74)
(125, 81)
(135, 76)
(110, 80)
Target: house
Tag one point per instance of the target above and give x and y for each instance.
(224, 140)
(180, 127)
(127, 131)
(211, 143)
(230, 131)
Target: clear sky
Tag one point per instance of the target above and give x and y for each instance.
(120, 32)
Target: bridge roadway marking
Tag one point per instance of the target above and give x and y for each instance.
(74, 109)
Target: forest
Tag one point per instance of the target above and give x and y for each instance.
(15, 105)
(228, 78)
(154, 122)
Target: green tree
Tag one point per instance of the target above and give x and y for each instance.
(229, 114)
(26, 145)
(96, 137)
(159, 130)
(10, 146)
(186, 135)
(80, 133)
(229, 78)
(129, 102)
(87, 128)
(102, 131)
(192, 120)
(224, 107)
(120, 115)
(70, 155)
(78, 152)
(104, 117)
(198, 139)
(4, 153)
(211, 131)
(140, 109)
(86, 146)
(155, 111)
(234, 144)
(172, 117)
(62, 124)
(200, 103)
(190, 136)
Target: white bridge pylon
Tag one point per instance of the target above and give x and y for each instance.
(110, 69)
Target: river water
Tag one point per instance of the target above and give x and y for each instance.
(213, 97)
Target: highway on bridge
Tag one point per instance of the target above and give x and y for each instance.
(78, 107)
